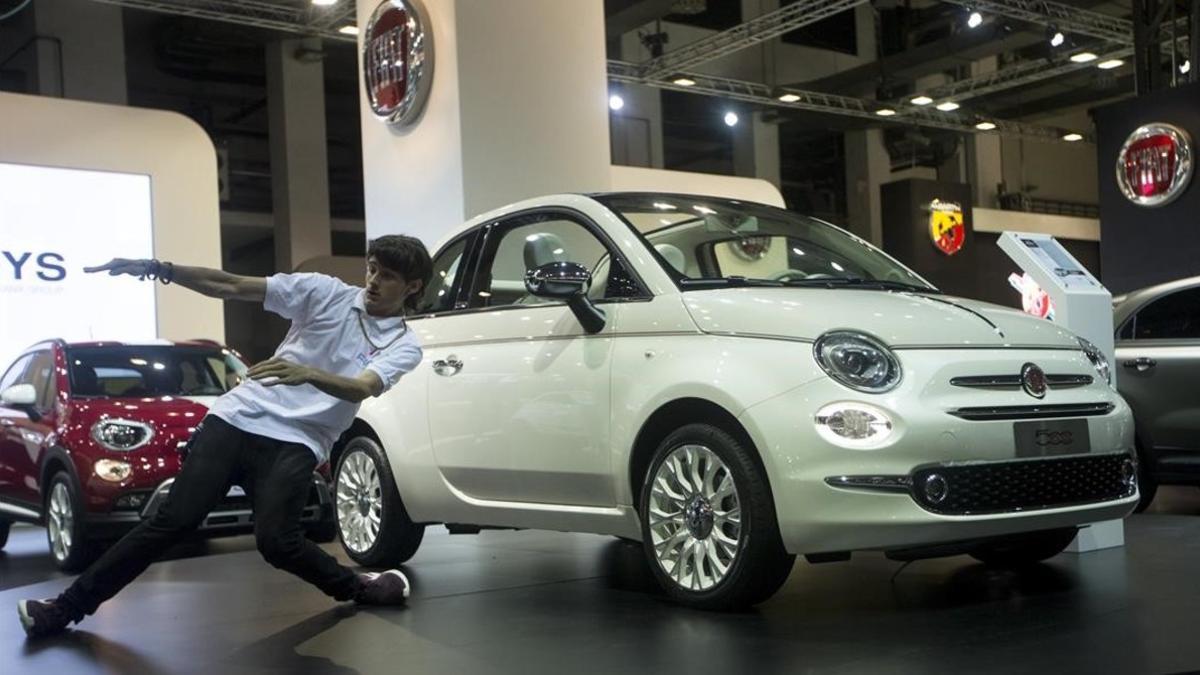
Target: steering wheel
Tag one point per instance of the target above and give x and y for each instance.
(787, 274)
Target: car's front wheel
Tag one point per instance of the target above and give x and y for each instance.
(71, 550)
(371, 520)
(1025, 549)
(708, 521)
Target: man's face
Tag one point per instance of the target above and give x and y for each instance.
(386, 290)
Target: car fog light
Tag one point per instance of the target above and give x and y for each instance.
(1129, 474)
(854, 425)
(113, 471)
(131, 502)
(936, 488)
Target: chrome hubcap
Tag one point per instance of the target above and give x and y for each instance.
(695, 518)
(359, 502)
(61, 524)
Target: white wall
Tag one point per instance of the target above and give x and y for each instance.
(177, 155)
(1065, 171)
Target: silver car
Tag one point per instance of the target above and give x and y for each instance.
(1158, 349)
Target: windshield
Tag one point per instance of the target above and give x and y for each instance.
(704, 242)
(145, 371)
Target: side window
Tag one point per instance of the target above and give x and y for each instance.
(1176, 316)
(15, 371)
(447, 271)
(529, 242)
(41, 375)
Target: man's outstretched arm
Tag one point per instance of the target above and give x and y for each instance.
(353, 389)
(210, 282)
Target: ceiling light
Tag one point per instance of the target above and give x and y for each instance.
(792, 98)
(885, 112)
(975, 19)
(985, 126)
(1083, 57)
(684, 82)
(615, 102)
(348, 30)
(947, 106)
(921, 100)
(324, 3)
(1110, 64)
(731, 119)
(1057, 39)
(1072, 137)
(1186, 66)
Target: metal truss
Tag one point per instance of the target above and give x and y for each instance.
(748, 34)
(832, 104)
(1019, 75)
(282, 15)
(1067, 18)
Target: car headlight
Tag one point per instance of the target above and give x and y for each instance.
(121, 435)
(112, 470)
(858, 361)
(854, 425)
(1098, 359)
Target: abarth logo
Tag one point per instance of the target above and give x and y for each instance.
(946, 227)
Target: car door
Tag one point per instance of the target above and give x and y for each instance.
(1158, 352)
(519, 405)
(10, 436)
(25, 438)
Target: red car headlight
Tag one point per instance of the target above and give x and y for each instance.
(122, 435)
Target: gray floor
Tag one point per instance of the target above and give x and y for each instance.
(537, 602)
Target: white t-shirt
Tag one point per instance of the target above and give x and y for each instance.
(325, 334)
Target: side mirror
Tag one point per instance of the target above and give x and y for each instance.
(567, 281)
(21, 397)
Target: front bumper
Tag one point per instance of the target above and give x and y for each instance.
(831, 499)
(234, 514)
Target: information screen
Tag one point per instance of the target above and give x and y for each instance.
(53, 223)
(1053, 257)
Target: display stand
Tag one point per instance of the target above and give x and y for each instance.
(1084, 306)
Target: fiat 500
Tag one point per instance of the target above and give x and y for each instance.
(732, 385)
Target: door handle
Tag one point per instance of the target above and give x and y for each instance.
(448, 366)
(1142, 363)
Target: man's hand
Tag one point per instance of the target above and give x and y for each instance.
(119, 266)
(282, 372)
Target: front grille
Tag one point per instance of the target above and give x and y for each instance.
(1032, 412)
(1013, 381)
(1028, 485)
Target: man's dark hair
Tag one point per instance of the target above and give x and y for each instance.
(405, 256)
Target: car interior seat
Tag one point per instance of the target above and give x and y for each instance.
(673, 255)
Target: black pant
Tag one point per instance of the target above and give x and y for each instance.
(277, 477)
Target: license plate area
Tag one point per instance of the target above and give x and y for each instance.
(1048, 438)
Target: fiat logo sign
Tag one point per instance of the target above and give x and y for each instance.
(397, 61)
(1155, 164)
(1033, 380)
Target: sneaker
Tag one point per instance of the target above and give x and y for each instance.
(382, 588)
(41, 618)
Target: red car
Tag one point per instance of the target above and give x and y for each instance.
(92, 435)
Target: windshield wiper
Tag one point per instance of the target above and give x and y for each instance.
(725, 282)
(861, 283)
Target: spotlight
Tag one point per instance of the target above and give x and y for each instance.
(348, 30)
(324, 3)
(615, 102)
(731, 119)
(684, 82)
(789, 98)
(1186, 66)
(885, 112)
(985, 126)
(1072, 137)
(974, 20)
(921, 100)
(1083, 57)
(948, 106)
(1110, 64)
(1056, 37)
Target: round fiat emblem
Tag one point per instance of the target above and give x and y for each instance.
(1155, 164)
(398, 60)
(1033, 380)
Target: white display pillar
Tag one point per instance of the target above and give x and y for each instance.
(517, 108)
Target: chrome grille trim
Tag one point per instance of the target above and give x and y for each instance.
(1014, 381)
(1032, 412)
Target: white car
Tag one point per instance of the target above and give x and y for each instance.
(733, 385)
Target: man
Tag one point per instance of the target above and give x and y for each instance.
(270, 432)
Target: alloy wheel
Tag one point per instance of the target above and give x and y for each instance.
(359, 502)
(61, 522)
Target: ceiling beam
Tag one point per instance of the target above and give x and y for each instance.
(1068, 18)
(280, 16)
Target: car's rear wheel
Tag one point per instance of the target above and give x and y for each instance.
(69, 546)
(709, 529)
(371, 519)
(1025, 549)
